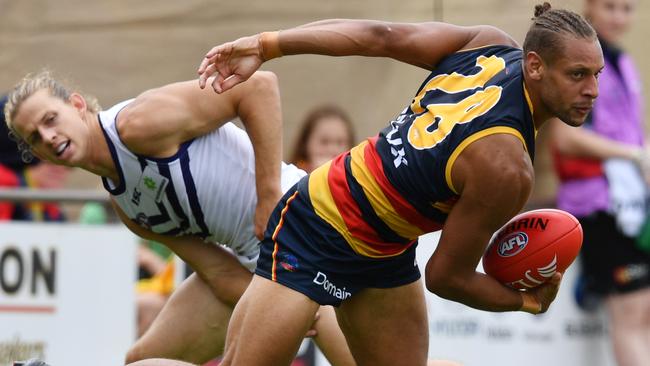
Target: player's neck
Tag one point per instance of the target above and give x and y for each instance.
(539, 111)
(99, 160)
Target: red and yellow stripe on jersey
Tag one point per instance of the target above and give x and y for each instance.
(396, 186)
(334, 201)
(274, 237)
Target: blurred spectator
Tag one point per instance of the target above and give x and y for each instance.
(601, 169)
(93, 213)
(155, 283)
(326, 132)
(15, 172)
(8, 178)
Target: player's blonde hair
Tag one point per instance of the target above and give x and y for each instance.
(29, 85)
(32, 83)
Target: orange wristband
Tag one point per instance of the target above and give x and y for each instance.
(530, 304)
(269, 45)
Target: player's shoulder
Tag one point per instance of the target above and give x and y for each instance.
(150, 116)
(470, 56)
(129, 122)
(487, 35)
(496, 160)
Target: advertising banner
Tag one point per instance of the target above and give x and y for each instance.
(67, 293)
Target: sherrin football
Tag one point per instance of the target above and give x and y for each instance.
(531, 247)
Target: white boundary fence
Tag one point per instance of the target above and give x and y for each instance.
(52, 195)
(67, 291)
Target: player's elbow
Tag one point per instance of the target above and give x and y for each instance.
(443, 283)
(382, 32)
(258, 104)
(264, 80)
(262, 88)
(446, 287)
(384, 38)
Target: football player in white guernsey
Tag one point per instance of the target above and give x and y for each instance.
(179, 173)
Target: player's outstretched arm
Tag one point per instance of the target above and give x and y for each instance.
(494, 178)
(419, 44)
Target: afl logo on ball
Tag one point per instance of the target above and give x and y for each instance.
(513, 244)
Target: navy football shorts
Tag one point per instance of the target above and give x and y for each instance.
(311, 257)
(611, 262)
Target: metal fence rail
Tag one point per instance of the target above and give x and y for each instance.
(53, 195)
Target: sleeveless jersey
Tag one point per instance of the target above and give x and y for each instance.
(393, 187)
(206, 189)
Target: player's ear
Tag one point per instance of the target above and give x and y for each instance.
(78, 102)
(36, 154)
(534, 65)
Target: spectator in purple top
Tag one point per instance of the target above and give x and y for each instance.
(601, 168)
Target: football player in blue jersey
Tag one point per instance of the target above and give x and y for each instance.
(458, 158)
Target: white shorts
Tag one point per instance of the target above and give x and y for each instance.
(248, 261)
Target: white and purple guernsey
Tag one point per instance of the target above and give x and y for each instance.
(206, 189)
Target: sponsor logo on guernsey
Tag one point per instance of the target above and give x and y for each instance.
(512, 244)
(396, 144)
(331, 288)
(288, 262)
(135, 198)
(149, 183)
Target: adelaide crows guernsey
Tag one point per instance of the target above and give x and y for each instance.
(393, 187)
(206, 189)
